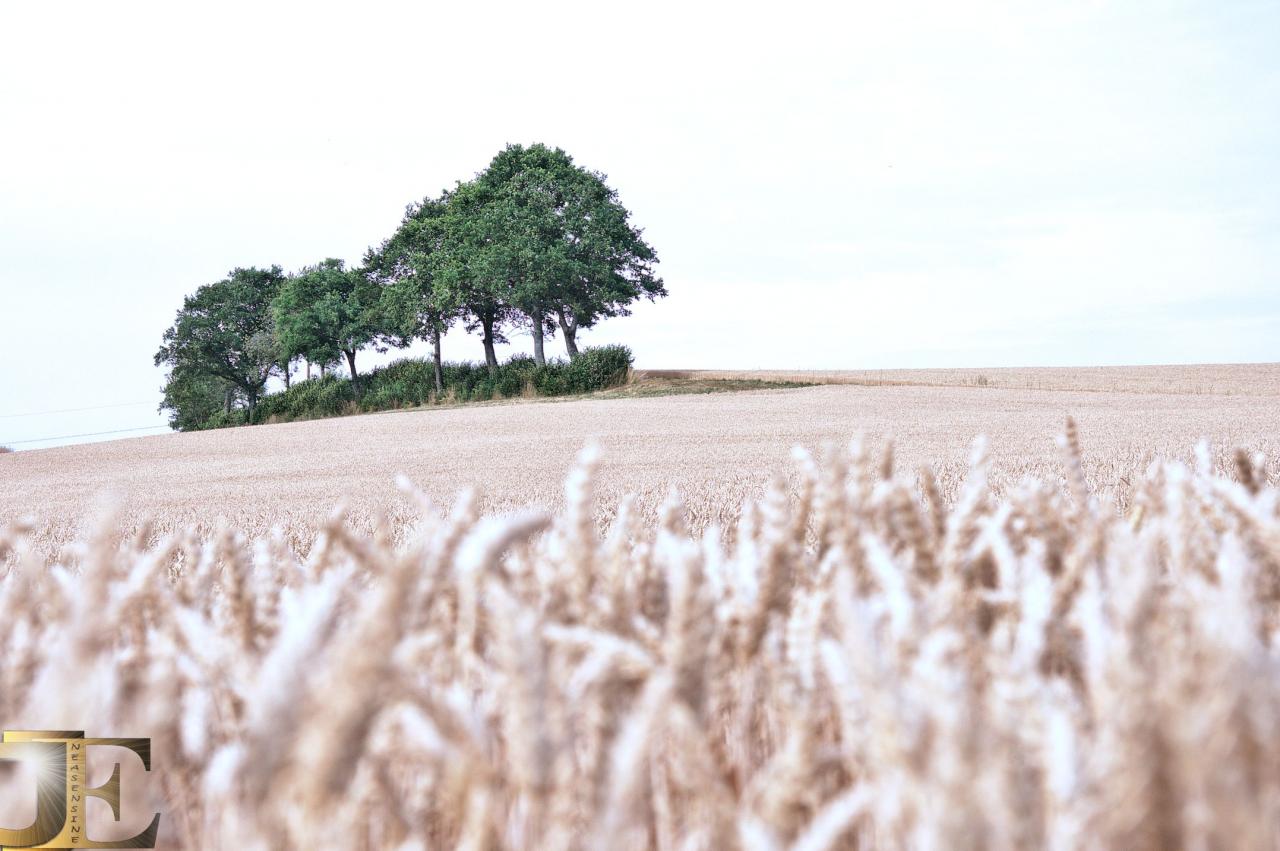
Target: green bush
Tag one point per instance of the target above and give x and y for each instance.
(222, 419)
(597, 368)
(327, 396)
(594, 369)
(411, 382)
(512, 377)
(520, 363)
(404, 383)
(549, 380)
(467, 381)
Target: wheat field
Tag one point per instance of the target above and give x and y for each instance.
(716, 450)
(1047, 637)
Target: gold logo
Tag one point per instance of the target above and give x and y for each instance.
(61, 792)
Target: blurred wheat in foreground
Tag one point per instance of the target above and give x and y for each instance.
(864, 668)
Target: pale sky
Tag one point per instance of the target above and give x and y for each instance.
(844, 185)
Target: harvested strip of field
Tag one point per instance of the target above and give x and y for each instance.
(1253, 379)
(715, 449)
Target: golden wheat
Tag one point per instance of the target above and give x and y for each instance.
(717, 450)
(865, 666)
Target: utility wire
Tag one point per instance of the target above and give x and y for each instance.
(76, 410)
(85, 434)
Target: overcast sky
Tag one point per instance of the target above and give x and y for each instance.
(834, 185)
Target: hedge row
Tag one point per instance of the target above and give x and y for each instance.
(410, 382)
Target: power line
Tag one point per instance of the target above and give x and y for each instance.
(85, 434)
(75, 410)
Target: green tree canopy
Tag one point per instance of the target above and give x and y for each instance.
(534, 240)
(225, 330)
(557, 243)
(468, 265)
(193, 397)
(415, 303)
(610, 265)
(327, 311)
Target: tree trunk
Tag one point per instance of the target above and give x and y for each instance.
(539, 354)
(490, 356)
(570, 329)
(287, 370)
(435, 354)
(351, 364)
(308, 370)
(228, 397)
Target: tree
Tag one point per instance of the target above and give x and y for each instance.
(558, 242)
(468, 266)
(327, 311)
(610, 265)
(286, 369)
(415, 304)
(519, 197)
(193, 397)
(225, 330)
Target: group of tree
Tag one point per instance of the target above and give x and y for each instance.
(534, 242)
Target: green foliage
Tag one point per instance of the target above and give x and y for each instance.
(327, 311)
(192, 397)
(404, 383)
(597, 368)
(468, 382)
(415, 305)
(225, 330)
(534, 239)
(410, 383)
(509, 383)
(467, 265)
(594, 369)
(519, 201)
(556, 234)
(327, 396)
(473, 382)
(228, 419)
